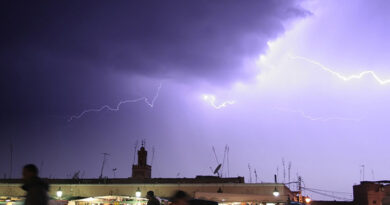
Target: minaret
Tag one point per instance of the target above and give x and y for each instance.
(142, 170)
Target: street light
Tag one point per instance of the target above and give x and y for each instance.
(59, 193)
(276, 192)
(138, 193)
(307, 200)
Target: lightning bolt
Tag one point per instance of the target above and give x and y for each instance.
(117, 107)
(343, 77)
(313, 118)
(211, 99)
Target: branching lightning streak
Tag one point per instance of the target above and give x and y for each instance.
(343, 77)
(117, 107)
(313, 118)
(211, 100)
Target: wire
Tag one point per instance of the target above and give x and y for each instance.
(327, 195)
(340, 192)
(330, 196)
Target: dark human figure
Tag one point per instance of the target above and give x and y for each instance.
(180, 198)
(152, 200)
(34, 186)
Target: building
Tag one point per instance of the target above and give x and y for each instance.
(142, 170)
(365, 193)
(372, 193)
(214, 188)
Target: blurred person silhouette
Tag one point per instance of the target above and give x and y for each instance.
(35, 187)
(152, 200)
(180, 198)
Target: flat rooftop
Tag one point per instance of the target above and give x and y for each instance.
(196, 180)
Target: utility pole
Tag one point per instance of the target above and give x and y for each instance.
(300, 189)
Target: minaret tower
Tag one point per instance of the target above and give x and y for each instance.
(142, 170)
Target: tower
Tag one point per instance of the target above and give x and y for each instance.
(142, 170)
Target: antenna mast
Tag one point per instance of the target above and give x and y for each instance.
(227, 161)
(224, 159)
(151, 163)
(255, 175)
(289, 173)
(284, 170)
(135, 150)
(250, 173)
(11, 160)
(104, 162)
(215, 155)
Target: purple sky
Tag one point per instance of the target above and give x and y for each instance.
(289, 71)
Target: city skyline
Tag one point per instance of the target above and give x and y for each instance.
(303, 81)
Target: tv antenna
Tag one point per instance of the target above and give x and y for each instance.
(284, 170)
(250, 173)
(227, 161)
(216, 170)
(255, 175)
(362, 172)
(135, 150)
(151, 163)
(114, 170)
(11, 159)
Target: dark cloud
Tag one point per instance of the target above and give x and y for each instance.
(52, 51)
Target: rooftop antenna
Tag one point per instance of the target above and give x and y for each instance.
(289, 173)
(255, 175)
(135, 150)
(224, 159)
(362, 171)
(76, 175)
(11, 160)
(373, 176)
(250, 173)
(103, 163)
(216, 171)
(215, 155)
(227, 161)
(151, 163)
(114, 170)
(284, 170)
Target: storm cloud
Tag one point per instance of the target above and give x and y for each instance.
(55, 51)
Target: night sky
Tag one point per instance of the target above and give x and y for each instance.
(304, 81)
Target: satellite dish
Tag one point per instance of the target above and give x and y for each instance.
(217, 169)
